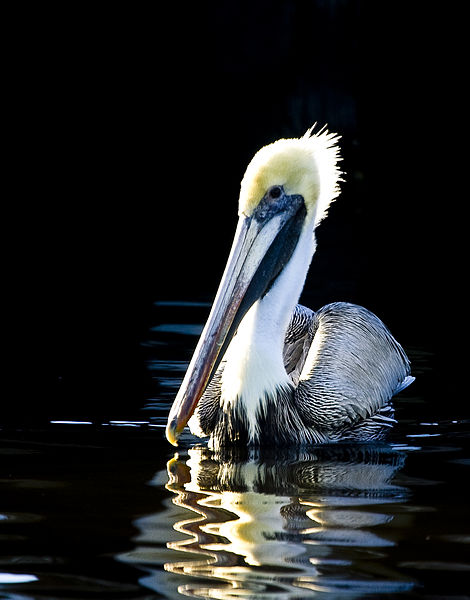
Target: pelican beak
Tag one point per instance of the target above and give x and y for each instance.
(263, 244)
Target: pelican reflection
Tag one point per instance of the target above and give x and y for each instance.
(279, 524)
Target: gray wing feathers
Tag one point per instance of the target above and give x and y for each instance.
(352, 369)
(297, 341)
(404, 384)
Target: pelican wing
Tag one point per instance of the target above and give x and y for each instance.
(351, 370)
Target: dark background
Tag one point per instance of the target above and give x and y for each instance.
(131, 129)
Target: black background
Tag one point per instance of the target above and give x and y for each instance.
(131, 128)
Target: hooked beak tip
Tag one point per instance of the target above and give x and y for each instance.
(172, 433)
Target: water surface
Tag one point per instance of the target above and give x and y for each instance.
(104, 508)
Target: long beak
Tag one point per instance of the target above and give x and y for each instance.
(261, 248)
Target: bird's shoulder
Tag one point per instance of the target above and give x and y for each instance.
(297, 340)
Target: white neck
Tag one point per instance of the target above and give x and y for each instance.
(254, 362)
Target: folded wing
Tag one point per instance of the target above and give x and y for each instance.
(348, 366)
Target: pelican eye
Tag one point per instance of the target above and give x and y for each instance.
(275, 191)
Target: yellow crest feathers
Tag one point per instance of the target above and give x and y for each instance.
(306, 166)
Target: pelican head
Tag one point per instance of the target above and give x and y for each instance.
(306, 167)
(284, 194)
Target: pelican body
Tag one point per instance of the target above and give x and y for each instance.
(266, 370)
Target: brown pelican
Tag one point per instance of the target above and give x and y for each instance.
(267, 371)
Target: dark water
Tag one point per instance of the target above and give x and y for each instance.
(105, 508)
